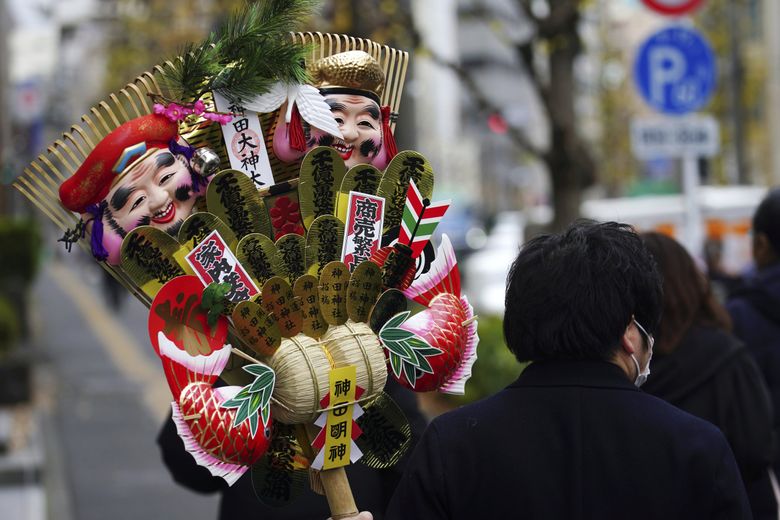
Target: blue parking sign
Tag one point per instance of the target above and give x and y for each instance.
(675, 70)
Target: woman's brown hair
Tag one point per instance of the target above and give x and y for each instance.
(688, 299)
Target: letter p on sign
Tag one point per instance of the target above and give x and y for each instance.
(675, 71)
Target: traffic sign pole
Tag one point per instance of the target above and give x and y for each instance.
(675, 74)
(694, 236)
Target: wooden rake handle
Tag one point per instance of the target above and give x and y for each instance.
(334, 482)
(338, 493)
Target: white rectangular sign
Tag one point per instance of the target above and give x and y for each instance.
(245, 144)
(673, 137)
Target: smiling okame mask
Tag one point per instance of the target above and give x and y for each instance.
(351, 83)
(139, 174)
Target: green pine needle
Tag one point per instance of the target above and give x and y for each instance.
(250, 52)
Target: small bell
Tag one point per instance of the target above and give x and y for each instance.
(205, 162)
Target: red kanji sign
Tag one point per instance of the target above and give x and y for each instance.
(363, 233)
(673, 7)
(213, 261)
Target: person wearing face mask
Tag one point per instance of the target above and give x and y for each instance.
(703, 369)
(574, 436)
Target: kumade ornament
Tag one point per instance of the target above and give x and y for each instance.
(282, 383)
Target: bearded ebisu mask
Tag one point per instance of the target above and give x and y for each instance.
(137, 175)
(351, 83)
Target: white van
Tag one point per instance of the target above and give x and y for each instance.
(726, 216)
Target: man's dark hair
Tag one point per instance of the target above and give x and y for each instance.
(766, 220)
(571, 295)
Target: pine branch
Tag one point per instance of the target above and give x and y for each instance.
(250, 52)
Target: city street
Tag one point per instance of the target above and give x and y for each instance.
(103, 396)
(493, 212)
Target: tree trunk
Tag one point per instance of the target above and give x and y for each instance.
(568, 160)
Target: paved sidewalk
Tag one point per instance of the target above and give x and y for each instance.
(21, 494)
(100, 396)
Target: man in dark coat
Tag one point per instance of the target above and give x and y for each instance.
(755, 308)
(573, 437)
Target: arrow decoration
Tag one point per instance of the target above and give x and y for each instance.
(419, 219)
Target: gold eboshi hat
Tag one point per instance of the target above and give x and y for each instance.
(351, 70)
(388, 68)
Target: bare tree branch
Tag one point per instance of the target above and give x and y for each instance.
(484, 104)
(526, 53)
(525, 6)
(560, 20)
(561, 16)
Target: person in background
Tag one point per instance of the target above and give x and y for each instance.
(722, 283)
(701, 368)
(574, 437)
(755, 308)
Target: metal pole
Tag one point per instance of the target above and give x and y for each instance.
(693, 221)
(736, 78)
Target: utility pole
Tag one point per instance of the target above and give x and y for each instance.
(770, 11)
(736, 79)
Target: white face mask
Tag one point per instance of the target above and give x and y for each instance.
(641, 375)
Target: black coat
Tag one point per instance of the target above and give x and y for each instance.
(571, 440)
(372, 489)
(754, 311)
(713, 376)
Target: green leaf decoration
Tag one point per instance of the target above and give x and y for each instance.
(259, 370)
(408, 352)
(242, 414)
(213, 301)
(397, 334)
(396, 320)
(397, 365)
(254, 400)
(260, 383)
(253, 424)
(242, 394)
(423, 363)
(401, 350)
(265, 411)
(232, 403)
(410, 373)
